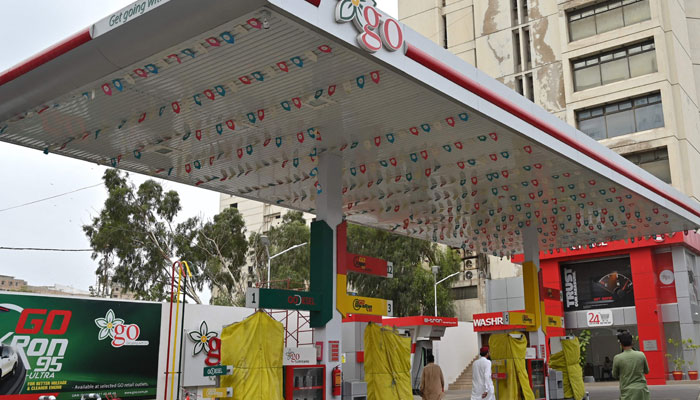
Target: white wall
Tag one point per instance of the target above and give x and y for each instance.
(456, 350)
(216, 317)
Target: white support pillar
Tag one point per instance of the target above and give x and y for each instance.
(329, 208)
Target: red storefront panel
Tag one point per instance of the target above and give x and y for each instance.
(665, 281)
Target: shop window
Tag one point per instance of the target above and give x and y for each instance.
(623, 117)
(614, 66)
(465, 292)
(606, 16)
(653, 161)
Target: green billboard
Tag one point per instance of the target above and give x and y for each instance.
(70, 347)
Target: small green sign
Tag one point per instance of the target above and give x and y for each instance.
(217, 370)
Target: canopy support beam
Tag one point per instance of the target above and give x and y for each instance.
(329, 208)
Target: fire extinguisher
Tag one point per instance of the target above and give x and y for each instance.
(337, 380)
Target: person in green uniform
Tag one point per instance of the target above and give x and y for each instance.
(629, 367)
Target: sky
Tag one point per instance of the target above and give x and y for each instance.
(26, 175)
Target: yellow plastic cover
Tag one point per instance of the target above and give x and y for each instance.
(387, 364)
(254, 347)
(567, 361)
(512, 352)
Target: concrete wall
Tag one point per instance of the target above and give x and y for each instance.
(505, 294)
(456, 350)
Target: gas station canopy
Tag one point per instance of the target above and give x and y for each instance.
(242, 97)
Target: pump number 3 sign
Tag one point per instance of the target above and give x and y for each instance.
(599, 318)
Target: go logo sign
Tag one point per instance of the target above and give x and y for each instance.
(376, 31)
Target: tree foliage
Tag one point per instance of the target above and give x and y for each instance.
(137, 240)
(291, 268)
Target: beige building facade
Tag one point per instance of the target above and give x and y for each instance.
(625, 72)
(11, 283)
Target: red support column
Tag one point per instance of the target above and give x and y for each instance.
(551, 278)
(649, 321)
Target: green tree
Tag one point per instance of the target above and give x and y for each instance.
(293, 265)
(411, 289)
(136, 239)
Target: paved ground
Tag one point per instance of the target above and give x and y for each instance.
(610, 391)
(684, 391)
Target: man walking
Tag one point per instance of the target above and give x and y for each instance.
(482, 385)
(432, 383)
(629, 367)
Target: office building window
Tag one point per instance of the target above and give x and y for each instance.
(606, 16)
(623, 117)
(653, 161)
(530, 92)
(519, 85)
(444, 31)
(616, 65)
(527, 45)
(514, 11)
(524, 12)
(517, 58)
(234, 205)
(465, 292)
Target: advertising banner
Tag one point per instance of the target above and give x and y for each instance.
(597, 284)
(70, 347)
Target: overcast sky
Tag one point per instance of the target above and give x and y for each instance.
(26, 28)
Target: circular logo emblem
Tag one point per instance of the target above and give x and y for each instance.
(666, 277)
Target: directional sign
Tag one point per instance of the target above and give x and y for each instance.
(369, 265)
(217, 392)
(218, 370)
(282, 299)
(553, 321)
(521, 318)
(348, 304)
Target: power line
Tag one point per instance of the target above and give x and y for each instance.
(39, 249)
(49, 198)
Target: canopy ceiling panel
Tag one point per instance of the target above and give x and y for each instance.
(248, 104)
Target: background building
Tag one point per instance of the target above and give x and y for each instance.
(625, 72)
(11, 283)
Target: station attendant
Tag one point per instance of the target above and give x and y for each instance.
(629, 367)
(482, 385)
(432, 383)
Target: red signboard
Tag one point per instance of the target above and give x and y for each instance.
(369, 265)
(420, 320)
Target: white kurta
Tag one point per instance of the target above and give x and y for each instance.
(481, 380)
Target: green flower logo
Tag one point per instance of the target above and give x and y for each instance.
(201, 338)
(107, 325)
(352, 10)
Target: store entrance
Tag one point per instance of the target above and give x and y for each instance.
(602, 348)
